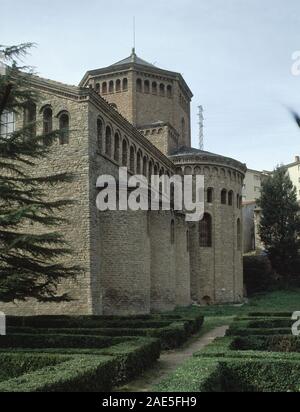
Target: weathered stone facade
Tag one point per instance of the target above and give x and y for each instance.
(137, 262)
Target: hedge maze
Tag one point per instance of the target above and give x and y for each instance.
(86, 353)
(259, 354)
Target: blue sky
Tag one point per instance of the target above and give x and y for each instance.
(236, 56)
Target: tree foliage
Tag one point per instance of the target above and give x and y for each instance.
(29, 259)
(280, 223)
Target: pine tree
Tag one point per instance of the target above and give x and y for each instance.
(29, 262)
(280, 223)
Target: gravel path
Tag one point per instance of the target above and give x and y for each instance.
(169, 361)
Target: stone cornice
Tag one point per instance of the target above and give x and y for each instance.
(211, 160)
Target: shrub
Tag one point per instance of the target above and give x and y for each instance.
(56, 341)
(258, 274)
(275, 343)
(13, 365)
(80, 374)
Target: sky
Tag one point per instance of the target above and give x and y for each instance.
(235, 55)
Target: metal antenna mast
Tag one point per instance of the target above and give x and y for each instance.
(134, 33)
(201, 119)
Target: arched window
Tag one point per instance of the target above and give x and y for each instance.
(150, 169)
(238, 201)
(147, 86)
(156, 170)
(210, 194)
(154, 88)
(162, 89)
(139, 85)
(47, 124)
(145, 166)
(169, 91)
(230, 198)
(132, 168)
(183, 129)
(111, 86)
(30, 118)
(139, 163)
(224, 197)
(47, 120)
(97, 87)
(172, 232)
(7, 123)
(205, 231)
(99, 134)
(118, 85)
(108, 141)
(64, 123)
(124, 153)
(239, 234)
(117, 148)
(125, 85)
(104, 88)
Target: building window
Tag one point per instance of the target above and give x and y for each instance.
(239, 234)
(118, 85)
(104, 88)
(172, 232)
(111, 87)
(108, 141)
(47, 120)
(97, 87)
(125, 85)
(64, 123)
(223, 197)
(183, 129)
(124, 153)
(30, 118)
(7, 124)
(162, 90)
(147, 86)
(154, 88)
(169, 92)
(47, 124)
(145, 164)
(230, 198)
(117, 148)
(132, 159)
(210, 194)
(205, 231)
(99, 134)
(139, 163)
(139, 85)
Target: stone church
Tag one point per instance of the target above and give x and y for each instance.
(136, 115)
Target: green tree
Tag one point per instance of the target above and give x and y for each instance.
(29, 260)
(280, 223)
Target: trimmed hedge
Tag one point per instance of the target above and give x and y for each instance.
(12, 365)
(274, 343)
(126, 360)
(247, 360)
(57, 341)
(171, 336)
(80, 374)
(233, 375)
